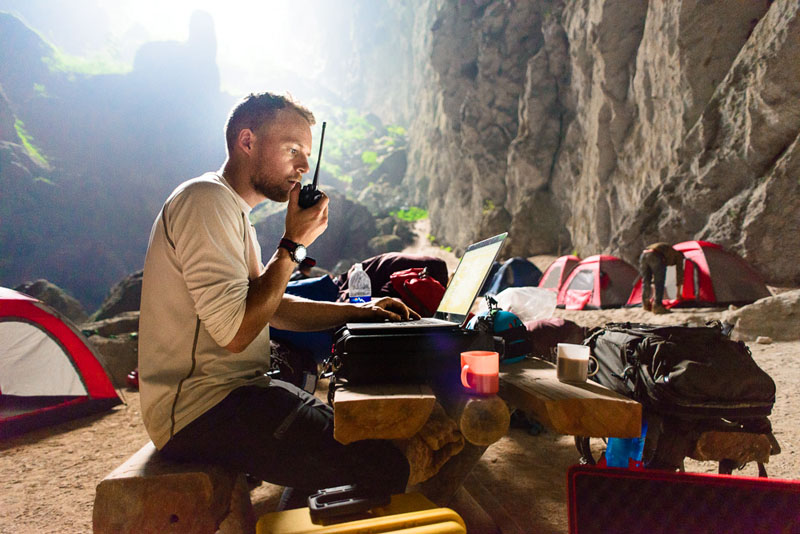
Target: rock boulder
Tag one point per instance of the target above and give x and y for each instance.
(56, 298)
(776, 317)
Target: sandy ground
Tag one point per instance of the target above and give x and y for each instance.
(49, 476)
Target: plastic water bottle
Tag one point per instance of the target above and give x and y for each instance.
(359, 286)
(620, 450)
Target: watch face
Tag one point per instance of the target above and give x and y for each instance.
(300, 253)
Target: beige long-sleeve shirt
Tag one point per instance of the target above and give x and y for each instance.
(202, 253)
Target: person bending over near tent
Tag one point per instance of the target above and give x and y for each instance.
(653, 265)
(207, 302)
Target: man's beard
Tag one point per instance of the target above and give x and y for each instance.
(266, 187)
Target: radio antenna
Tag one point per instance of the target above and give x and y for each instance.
(319, 158)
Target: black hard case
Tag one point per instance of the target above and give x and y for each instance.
(405, 357)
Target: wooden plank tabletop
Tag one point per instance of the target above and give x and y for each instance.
(396, 411)
(586, 409)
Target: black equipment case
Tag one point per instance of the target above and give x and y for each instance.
(404, 357)
(607, 500)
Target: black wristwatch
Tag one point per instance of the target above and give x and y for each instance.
(296, 251)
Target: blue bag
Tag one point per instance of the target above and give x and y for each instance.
(318, 343)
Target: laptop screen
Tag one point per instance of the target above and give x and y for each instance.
(468, 278)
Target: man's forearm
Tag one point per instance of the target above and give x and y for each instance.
(263, 299)
(302, 315)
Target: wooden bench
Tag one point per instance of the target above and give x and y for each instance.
(592, 410)
(148, 494)
(587, 409)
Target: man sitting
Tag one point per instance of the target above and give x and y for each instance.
(208, 301)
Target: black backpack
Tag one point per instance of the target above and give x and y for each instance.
(689, 379)
(685, 371)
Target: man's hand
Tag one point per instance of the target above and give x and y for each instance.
(384, 309)
(305, 225)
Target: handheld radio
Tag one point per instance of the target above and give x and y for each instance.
(309, 194)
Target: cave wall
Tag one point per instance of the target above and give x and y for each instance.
(594, 126)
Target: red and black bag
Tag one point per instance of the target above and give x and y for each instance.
(418, 290)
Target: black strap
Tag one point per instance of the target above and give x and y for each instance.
(585, 450)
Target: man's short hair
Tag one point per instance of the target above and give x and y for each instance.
(258, 108)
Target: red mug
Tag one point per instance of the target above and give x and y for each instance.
(479, 371)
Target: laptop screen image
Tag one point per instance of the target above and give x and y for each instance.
(464, 286)
(468, 278)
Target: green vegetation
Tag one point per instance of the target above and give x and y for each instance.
(62, 62)
(44, 180)
(488, 206)
(336, 171)
(411, 214)
(432, 239)
(370, 159)
(355, 145)
(397, 134)
(396, 131)
(27, 142)
(39, 90)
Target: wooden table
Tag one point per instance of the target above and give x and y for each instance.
(399, 412)
(586, 409)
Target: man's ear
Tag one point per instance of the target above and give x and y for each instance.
(245, 140)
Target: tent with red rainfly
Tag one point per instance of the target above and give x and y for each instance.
(600, 281)
(557, 272)
(712, 276)
(49, 372)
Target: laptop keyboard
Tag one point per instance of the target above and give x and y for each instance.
(425, 321)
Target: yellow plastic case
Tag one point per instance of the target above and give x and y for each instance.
(409, 513)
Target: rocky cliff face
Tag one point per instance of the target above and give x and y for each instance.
(601, 125)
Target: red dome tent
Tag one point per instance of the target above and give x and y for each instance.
(600, 281)
(557, 272)
(712, 276)
(48, 371)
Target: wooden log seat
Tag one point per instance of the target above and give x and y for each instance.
(149, 494)
(740, 447)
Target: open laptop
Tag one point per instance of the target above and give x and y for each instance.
(457, 301)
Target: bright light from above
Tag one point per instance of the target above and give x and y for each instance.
(257, 41)
(253, 37)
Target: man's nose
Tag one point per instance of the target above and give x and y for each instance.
(302, 164)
